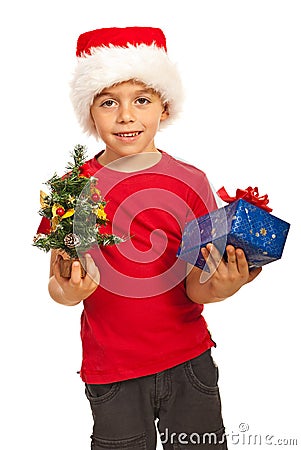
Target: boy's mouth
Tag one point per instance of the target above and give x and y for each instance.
(128, 134)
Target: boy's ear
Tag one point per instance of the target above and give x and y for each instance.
(165, 112)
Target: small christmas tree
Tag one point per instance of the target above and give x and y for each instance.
(75, 210)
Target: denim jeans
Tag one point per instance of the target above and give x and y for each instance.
(185, 401)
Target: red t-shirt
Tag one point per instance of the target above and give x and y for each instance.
(139, 320)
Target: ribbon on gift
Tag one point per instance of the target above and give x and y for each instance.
(249, 194)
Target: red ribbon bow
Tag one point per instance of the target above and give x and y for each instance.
(249, 194)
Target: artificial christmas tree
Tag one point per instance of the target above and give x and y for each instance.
(73, 212)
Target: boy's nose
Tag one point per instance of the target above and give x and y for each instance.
(126, 114)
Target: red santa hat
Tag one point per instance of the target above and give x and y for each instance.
(112, 55)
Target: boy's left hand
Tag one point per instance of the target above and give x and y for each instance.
(227, 277)
(224, 279)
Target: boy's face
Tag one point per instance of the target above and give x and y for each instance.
(127, 117)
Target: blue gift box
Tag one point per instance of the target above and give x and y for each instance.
(261, 235)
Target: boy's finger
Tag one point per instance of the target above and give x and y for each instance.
(214, 254)
(212, 257)
(231, 259)
(242, 263)
(76, 274)
(92, 269)
(254, 273)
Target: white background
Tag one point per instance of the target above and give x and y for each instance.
(240, 64)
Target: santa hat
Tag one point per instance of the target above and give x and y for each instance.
(112, 55)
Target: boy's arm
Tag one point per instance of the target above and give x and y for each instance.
(224, 279)
(72, 291)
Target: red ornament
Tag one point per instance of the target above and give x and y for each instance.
(60, 211)
(95, 197)
(86, 171)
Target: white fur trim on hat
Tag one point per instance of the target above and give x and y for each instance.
(106, 66)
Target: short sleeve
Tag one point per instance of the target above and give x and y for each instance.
(201, 198)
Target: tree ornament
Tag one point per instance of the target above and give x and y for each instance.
(60, 211)
(71, 240)
(95, 197)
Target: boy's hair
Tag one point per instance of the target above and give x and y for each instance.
(109, 56)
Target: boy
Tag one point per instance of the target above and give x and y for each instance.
(146, 347)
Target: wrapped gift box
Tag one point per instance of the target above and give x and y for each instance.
(261, 235)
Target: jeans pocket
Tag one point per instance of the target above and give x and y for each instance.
(202, 373)
(100, 393)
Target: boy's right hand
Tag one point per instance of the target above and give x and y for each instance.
(71, 291)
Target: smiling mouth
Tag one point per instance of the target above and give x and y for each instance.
(129, 134)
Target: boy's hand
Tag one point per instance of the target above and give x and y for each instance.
(75, 289)
(228, 277)
(224, 279)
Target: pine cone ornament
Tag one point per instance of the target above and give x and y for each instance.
(71, 240)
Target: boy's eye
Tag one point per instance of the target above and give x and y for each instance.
(108, 103)
(142, 101)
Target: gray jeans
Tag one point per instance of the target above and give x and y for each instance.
(185, 399)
